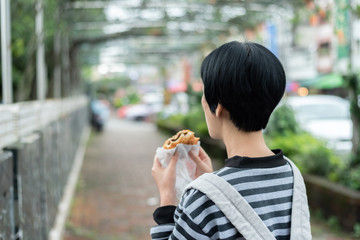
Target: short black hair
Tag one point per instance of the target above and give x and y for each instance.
(247, 80)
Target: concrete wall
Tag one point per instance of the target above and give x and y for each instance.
(334, 200)
(6, 196)
(34, 171)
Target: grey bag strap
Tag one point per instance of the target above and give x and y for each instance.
(233, 205)
(300, 216)
(243, 216)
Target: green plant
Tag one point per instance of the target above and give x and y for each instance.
(282, 122)
(310, 154)
(352, 82)
(317, 214)
(194, 97)
(356, 11)
(175, 121)
(195, 120)
(118, 102)
(333, 223)
(350, 178)
(357, 230)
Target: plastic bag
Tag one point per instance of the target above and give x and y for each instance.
(185, 167)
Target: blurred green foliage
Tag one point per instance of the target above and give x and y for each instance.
(351, 174)
(356, 11)
(310, 154)
(351, 178)
(282, 122)
(352, 82)
(357, 230)
(24, 43)
(194, 97)
(108, 86)
(174, 122)
(131, 97)
(195, 121)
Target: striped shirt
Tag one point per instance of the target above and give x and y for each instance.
(266, 183)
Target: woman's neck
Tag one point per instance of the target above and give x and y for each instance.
(245, 144)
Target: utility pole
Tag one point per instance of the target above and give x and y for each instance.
(57, 49)
(6, 58)
(40, 52)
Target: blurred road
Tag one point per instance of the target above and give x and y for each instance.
(116, 195)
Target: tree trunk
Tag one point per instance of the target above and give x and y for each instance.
(352, 82)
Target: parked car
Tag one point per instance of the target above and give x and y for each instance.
(139, 112)
(326, 117)
(151, 104)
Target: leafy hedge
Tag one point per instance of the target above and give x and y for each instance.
(193, 120)
(310, 154)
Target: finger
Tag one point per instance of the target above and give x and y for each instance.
(194, 157)
(202, 153)
(175, 157)
(173, 160)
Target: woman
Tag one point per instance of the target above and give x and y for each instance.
(243, 83)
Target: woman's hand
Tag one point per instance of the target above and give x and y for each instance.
(203, 162)
(165, 180)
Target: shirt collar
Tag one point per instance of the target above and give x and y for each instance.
(258, 162)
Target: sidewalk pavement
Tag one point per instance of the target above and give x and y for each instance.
(116, 195)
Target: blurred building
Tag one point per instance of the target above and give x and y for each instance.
(326, 42)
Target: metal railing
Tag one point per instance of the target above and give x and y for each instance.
(18, 120)
(38, 144)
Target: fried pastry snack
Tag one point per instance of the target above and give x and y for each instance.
(183, 136)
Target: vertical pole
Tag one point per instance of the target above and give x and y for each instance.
(57, 68)
(6, 52)
(40, 52)
(66, 64)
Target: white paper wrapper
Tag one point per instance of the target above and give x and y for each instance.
(185, 167)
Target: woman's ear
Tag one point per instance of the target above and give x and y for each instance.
(219, 109)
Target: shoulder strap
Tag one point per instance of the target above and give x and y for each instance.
(300, 216)
(233, 205)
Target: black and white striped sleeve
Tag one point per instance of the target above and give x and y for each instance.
(183, 225)
(196, 217)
